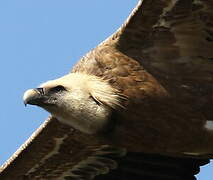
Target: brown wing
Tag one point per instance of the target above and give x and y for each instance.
(173, 40)
(56, 151)
(161, 59)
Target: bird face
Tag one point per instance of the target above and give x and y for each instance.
(82, 101)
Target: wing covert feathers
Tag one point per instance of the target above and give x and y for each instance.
(60, 152)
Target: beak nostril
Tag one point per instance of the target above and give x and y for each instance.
(40, 90)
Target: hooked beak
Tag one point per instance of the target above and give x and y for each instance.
(33, 96)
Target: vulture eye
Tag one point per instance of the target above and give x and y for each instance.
(58, 88)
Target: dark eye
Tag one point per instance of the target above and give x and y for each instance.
(58, 88)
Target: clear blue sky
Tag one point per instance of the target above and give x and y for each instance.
(41, 40)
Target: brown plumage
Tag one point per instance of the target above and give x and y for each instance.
(157, 72)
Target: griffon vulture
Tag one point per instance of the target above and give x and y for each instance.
(139, 105)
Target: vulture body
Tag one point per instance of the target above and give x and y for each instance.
(138, 105)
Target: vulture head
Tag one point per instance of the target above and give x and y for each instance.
(82, 101)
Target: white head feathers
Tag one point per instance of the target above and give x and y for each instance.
(85, 101)
(98, 88)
